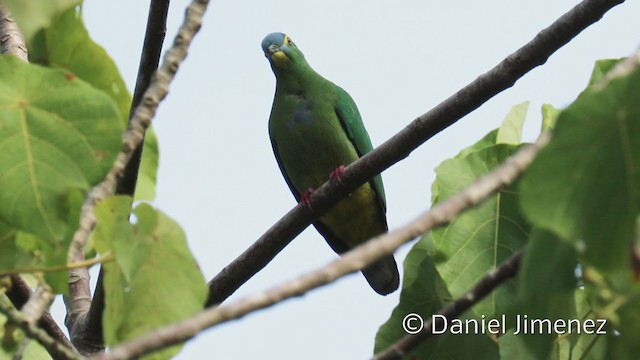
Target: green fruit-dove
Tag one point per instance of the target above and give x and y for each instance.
(316, 130)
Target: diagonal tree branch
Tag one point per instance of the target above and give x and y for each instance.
(350, 262)
(149, 60)
(55, 348)
(38, 303)
(19, 293)
(78, 305)
(501, 77)
(497, 276)
(482, 288)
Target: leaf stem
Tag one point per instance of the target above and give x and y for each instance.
(105, 258)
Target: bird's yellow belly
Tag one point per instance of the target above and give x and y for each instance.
(309, 153)
(356, 218)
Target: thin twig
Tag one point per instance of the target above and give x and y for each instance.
(79, 305)
(19, 294)
(501, 77)
(38, 303)
(482, 288)
(149, 60)
(105, 258)
(21, 349)
(54, 347)
(11, 39)
(350, 262)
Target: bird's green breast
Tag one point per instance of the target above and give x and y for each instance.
(309, 137)
(311, 142)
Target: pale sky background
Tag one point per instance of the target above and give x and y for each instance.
(219, 180)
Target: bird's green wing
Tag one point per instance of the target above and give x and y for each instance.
(352, 124)
(296, 193)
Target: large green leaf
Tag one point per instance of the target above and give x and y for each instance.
(585, 184)
(114, 232)
(67, 45)
(424, 293)
(63, 42)
(57, 135)
(155, 280)
(449, 261)
(479, 239)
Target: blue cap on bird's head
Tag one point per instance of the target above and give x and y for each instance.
(280, 50)
(272, 41)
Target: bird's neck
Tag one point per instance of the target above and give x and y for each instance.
(297, 79)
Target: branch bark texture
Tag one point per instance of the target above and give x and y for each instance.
(11, 39)
(55, 348)
(151, 51)
(19, 294)
(132, 138)
(501, 77)
(350, 262)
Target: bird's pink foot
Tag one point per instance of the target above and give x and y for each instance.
(306, 198)
(337, 173)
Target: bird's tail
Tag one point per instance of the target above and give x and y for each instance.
(383, 275)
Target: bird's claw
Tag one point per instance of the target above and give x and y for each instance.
(337, 174)
(306, 198)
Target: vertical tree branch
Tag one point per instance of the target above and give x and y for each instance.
(501, 77)
(151, 50)
(132, 138)
(141, 119)
(78, 303)
(149, 60)
(11, 39)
